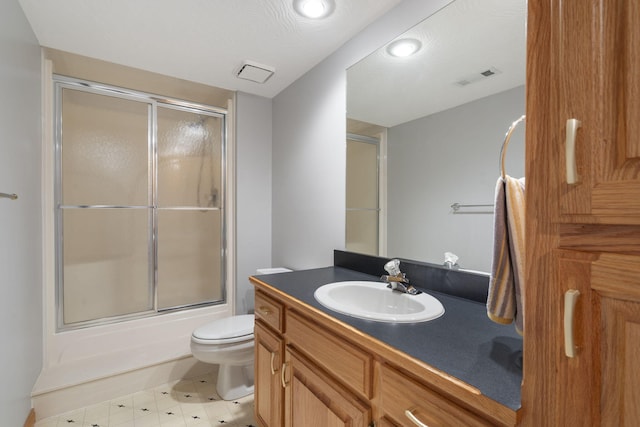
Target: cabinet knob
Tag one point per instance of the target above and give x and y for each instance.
(414, 419)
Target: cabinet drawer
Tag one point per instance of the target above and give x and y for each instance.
(399, 393)
(347, 363)
(269, 311)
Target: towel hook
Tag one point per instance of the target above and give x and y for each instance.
(507, 138)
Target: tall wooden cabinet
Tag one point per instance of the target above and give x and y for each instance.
(583, 62)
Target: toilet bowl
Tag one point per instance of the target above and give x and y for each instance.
(228, 342)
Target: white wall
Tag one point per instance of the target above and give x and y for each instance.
(448, 157)
(253, 193)
(309, 148)
(20, 220)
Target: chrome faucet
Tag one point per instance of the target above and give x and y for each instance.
(397, 281)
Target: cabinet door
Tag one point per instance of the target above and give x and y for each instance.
(595, 68)
(313, 399)
(621, 370)
(268, 395)
(616, 278)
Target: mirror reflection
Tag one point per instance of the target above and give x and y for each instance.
(425, 132)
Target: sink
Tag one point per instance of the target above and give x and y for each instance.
(374, 301)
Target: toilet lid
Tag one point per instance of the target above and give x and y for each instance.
(227, 330)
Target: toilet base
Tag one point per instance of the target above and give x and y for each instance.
(234, 382)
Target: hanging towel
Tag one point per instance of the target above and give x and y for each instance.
(504, 302)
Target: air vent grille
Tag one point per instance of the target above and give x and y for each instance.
(255, 72)
(476, 77)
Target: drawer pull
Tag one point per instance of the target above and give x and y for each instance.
(414, 419)
(570, 300)
(264, 310)
(570, 150)
(282, 374)
(273, 356)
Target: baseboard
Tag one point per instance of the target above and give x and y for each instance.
(62, 400)
(31, 419)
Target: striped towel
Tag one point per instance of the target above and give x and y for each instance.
(504, 302)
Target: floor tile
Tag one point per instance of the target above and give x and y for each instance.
(191, 402)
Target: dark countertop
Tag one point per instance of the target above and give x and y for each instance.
(463, 342)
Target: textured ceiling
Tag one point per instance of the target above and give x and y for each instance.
(458, 42)
(204, 41)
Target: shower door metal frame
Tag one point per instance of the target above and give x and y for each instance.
(153, 102)
(377, 143)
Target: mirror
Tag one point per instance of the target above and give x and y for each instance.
(440, 116)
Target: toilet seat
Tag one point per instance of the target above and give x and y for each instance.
(229, 330)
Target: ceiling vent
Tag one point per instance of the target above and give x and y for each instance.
(476, 77)
(255, 72)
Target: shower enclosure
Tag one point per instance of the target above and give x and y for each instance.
(139, 204)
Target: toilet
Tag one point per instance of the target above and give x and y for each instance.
(228, 342)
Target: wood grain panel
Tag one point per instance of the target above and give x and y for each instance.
(268, 393)
(575, 387)
(617, 276)
(621, 365)
(353, 366)
(602, 238)
(269, 311)
(399, 393)
(629, 46)
(617, 198)
(316, 400)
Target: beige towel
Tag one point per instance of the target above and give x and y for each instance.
(504, 302)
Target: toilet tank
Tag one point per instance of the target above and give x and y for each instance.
(272, 270)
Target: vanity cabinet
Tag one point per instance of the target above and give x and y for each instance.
(583, 63)
(330, 374)
(269, 359)
(291, 388)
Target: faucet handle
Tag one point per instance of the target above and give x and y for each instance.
(393, 267)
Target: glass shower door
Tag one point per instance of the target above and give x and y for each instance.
(140, 219)
(190, 208)
(104, 206)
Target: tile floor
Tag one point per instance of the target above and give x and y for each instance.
(188, 402)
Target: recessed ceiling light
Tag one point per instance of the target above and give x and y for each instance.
(314, 9)
(404, 47)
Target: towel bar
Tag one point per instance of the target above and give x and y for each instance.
(457, 206)
(8, 196)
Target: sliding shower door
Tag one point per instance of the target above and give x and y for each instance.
(139, 204)
(362, 216)
(189, 214)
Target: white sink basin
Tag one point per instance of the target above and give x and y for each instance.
(374, 301)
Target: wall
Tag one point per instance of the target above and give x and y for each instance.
(309, 154)
(20, 224)
(452, 156)
(253, 203)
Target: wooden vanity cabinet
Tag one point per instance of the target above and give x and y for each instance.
(269, 358)
(314, 371)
